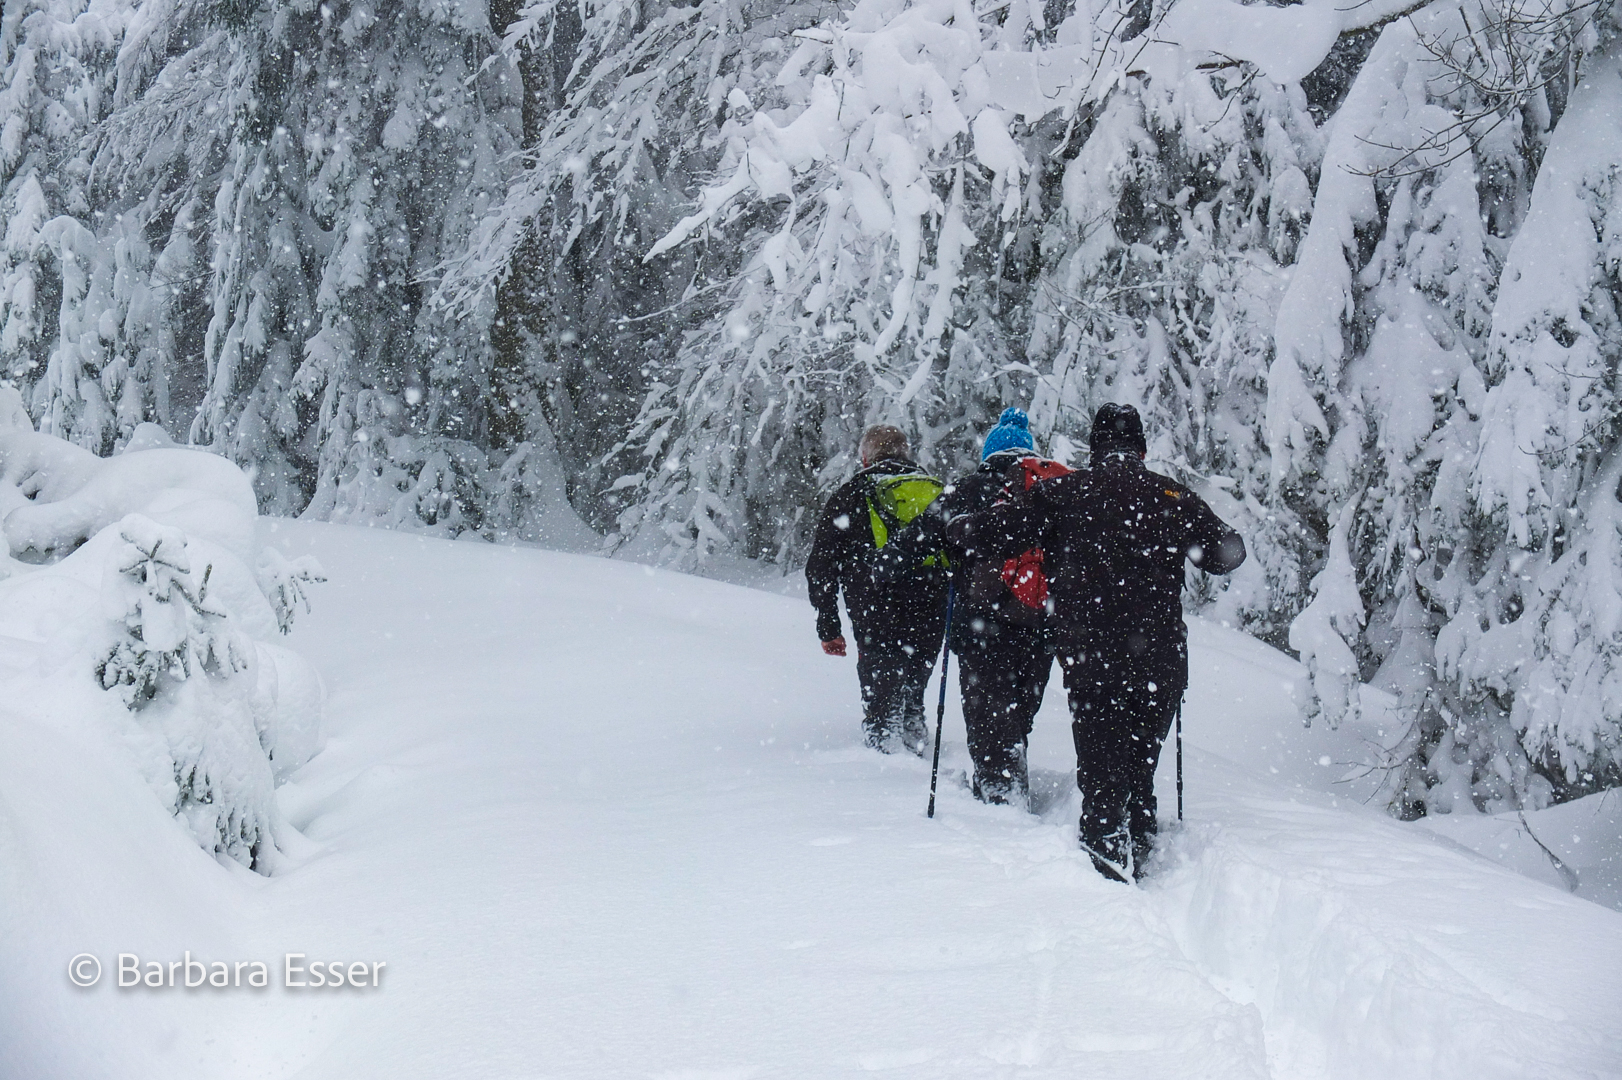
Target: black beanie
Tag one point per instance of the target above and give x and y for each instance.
(1117, 427)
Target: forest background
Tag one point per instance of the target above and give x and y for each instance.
(464, 267)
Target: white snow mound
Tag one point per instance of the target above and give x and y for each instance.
(133, 611)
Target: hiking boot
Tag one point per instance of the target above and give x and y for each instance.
(886, 740)
(1142, 847)
(1002, 791)
(1112, 854)
(1109, 871)
(915, 737)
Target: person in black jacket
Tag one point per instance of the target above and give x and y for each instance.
(997, 634)
(1115, 538)
(897, 607)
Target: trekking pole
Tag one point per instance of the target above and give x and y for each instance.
(940, 713)
(1179, 761)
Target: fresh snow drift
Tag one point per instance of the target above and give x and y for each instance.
(602, 821)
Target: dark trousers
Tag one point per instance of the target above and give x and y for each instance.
(894, 670)
(1003, 671)
(1124, 695)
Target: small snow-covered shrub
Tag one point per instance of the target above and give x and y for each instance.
(285, 583)
(131, 591)
(168, 629)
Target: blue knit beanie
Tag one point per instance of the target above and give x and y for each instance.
(1013, 430)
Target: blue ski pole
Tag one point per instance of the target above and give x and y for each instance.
(940, 713)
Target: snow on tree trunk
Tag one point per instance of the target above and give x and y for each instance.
(1320, 632)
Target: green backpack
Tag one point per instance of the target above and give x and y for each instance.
(896, 500)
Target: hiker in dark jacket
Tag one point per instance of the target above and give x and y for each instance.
(997, 632)
(1115, 539)
(897, 605)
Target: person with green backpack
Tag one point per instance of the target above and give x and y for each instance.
(896, 598)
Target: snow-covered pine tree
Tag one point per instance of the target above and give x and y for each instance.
(370, 140)
(1182, 206)
(1379, 406)
(187, 673)
(170, 632)
(1533, 641)
(850, 180)
(583, 322)
(261, 193)
(62, 307)
(1376, 341)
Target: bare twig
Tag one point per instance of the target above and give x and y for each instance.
(1498, 66)
(1567, 874)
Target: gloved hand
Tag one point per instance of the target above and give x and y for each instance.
(836, 647)
(960, 538)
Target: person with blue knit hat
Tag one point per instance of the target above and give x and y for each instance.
(997, 624)
(1013, 432)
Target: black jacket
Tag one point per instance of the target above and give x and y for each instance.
(881, 600)
(978, 490)
(1114, 539)
(983, 600)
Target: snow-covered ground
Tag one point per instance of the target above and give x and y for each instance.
(605, 821)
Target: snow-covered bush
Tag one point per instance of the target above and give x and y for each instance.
(129, 582)
(168, 631)
(285, 583)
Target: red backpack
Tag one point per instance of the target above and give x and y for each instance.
(1023, 573)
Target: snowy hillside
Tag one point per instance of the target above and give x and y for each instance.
(600, 820)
